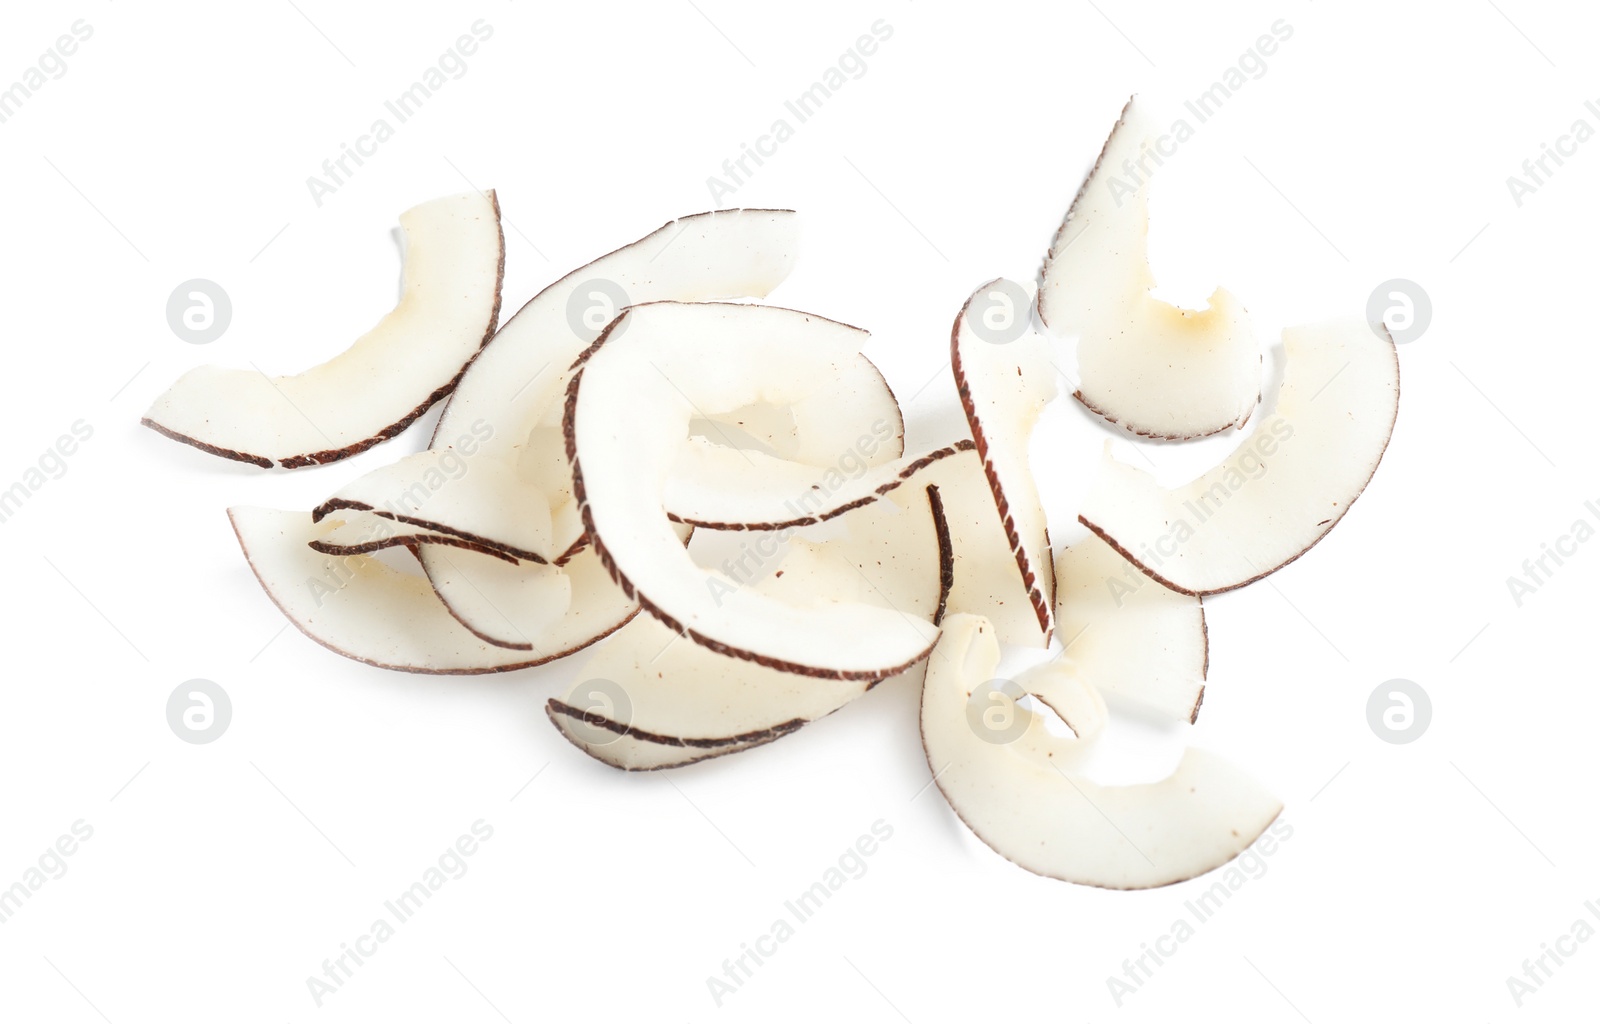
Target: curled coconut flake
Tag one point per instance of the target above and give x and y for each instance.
(1280, 492)
(455, 262)
(1007, 785)
(1156, 369)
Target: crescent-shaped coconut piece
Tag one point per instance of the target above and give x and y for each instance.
(832, 438)
(504, 513)
(1061, 687)
(986, 580)
(519, 380)
(504, 603)
(367, 611)
(449, 303)
(1010, 789)
(500, 599)
(629, 406)
(858, 419)
(1003, 388)
(363, 533)
(1127, 634)
(1281, 491)
(649, 699)
(1156, 369)
(468, 494)
(720, 488)
(503, 418)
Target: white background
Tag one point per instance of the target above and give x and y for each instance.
(1376, 145)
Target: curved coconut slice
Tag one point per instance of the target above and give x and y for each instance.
(649, 699)
(1016, 798)
(1059, 686)
(1158, 370)
(693, 702)
(473, 496)
(847, 438)
(721, 488)
(1282, 490)
(1129, 635)
(857, 420)
(363, 609)
(1003, 388)
(985, 577)
(519, 377)
(518, 381)
(524, 371)
(629, 408)
(503, 603)
(455, 261)
(363, 533)
(610, 743)
(851, 427)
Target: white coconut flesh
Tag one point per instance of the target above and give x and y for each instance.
(523, 372)
(1129, 635)
(649, 698)
(363, 533)
(843, 435)
(843, 430)
(449, 303)
(1003, 388)
(632, 752)
(1059, 686)
(504, 603)
(1287, 484)
(1156, 369)
(628, 411)
(1020, 802)
(475, 497)
(721, 488)
(518, 381)
(855, 422)
(365, 610)
(986, 580)
(624, 406)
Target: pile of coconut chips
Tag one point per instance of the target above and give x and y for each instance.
(575, 457)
